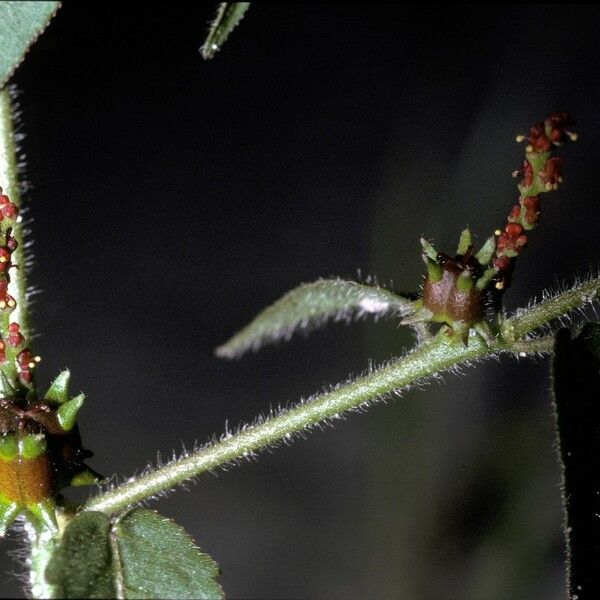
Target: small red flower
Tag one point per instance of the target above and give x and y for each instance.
(556, 123)
(532, 209)
(551, 174)
(538, 139)
(14, 337)
(526, 174)
(512, 241)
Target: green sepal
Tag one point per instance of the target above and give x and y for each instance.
(465, 242)
(485, 332)
(485, 279)
(9, 448)
(486, 252)
(460, 331)
(420, 315)
(67, 413)
(9, 511)
(59, 390)
(434, 270)
(428, 249)
(86, 477)
(42, 515)
(32, 446)
(464, 282)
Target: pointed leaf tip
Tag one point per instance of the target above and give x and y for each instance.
(229, 14)
(310, 305)
(20, 25)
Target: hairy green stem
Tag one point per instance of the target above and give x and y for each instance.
(42, 544)
(9, 180)
(41, 538)
(427, 360)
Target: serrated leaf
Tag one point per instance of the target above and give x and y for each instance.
(310, 305)
(138, 555)
(576, 382)
(229, 14)
(20, 24)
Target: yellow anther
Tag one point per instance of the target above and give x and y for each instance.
(499, 285)
(520, 138)
(515, 173)
(31, 365)
(2, 304)
(548, 186)
(572, 136)
(3, 259)
(37, 359)
(12, 303)
(497, 232)
(529, 148)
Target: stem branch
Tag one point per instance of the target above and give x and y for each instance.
(427, 360)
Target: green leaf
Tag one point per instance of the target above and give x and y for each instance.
(81, 566)
(20, 25)
(576, 382)
(138, 555)
(229, 14)
(312, 304)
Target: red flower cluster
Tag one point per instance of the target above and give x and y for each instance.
(511, 241)
(553, 130)
(539, 173)
(13, 338)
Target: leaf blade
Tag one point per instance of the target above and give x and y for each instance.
(20, 25)
(312, 304)
(80, 566)
(137, 555)
(149, 543)
(229, 14)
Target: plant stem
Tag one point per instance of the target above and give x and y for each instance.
(41, 538)
(427, 360)
(9, 180)
(42, 545)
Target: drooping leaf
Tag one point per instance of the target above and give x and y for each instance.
(138, 555)
(576, 382)
(310, 305)
(229, 14)
(21, 23)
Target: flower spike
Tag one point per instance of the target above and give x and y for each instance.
(457, 290)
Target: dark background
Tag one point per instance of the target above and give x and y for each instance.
(174, 198)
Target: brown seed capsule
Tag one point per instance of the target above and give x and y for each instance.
(446, 301)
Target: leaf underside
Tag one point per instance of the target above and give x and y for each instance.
(20, 25)
(229, 14)
(310, 305)
(139, 555)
